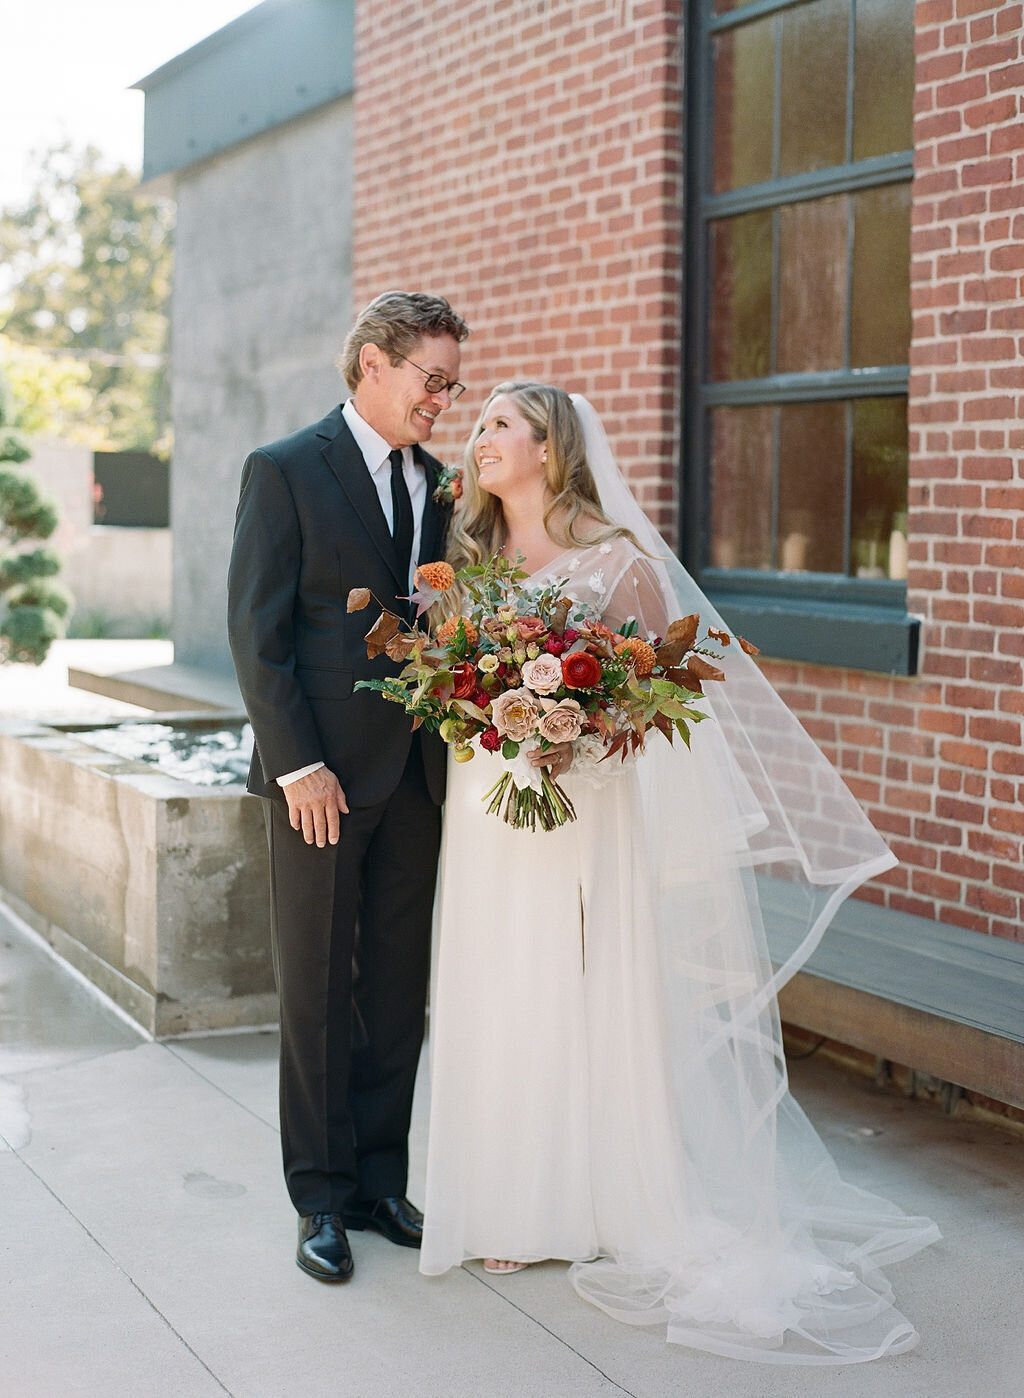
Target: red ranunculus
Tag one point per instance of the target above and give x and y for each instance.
(581, 670)
(465, 680)
(554, 646)
(490, 739)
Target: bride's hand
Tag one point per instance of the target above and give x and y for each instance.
(557, 759)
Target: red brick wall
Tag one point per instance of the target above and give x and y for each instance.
(937, 760)
(524, 159)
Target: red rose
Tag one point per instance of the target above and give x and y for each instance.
(490, 739)
(569, 636)
(554, 646)
(465, 680)
(581, 670)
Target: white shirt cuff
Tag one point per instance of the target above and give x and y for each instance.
(290, 777)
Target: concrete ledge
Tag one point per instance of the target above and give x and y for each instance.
(163, 687)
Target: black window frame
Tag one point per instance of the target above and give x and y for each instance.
(824, 618)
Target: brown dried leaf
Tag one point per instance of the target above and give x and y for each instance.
(668, 655)
(400, 647)
(358, 598)
(380, 633)
(684, 632)
(722, 637)
(700, 667)
(748, 646)
(560, 615)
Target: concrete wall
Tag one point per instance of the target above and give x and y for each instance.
(118, 575)
(262, 302)
(153, 888)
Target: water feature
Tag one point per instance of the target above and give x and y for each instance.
(214, 756)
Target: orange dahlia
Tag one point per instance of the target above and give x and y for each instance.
(640, 655)
(439, 576)
(447, 630)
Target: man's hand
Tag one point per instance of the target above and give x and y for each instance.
(313, 805)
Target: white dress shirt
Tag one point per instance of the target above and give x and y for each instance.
(377, 455)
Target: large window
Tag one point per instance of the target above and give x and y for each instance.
(799, 321)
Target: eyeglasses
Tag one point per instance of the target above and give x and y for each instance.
(437, 383)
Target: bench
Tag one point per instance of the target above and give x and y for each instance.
(938, 999)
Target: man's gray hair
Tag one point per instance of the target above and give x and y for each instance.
(395, 321)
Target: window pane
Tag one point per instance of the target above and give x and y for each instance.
(741, 487)
(812, 131)
(812, 285)
(878, 546)
(741, 296)
(883, 77)
(744, 105)
(880, 331)
(812, 487)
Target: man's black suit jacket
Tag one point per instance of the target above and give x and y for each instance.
(309, 527)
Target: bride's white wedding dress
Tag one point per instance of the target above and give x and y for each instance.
(608, 1084)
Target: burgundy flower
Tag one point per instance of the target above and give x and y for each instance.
(554, 646)
(490, 739)
(581, 670)
(569, 636)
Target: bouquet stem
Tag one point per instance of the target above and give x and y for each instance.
(525, 809)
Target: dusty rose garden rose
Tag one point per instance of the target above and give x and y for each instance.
(543, 675)
(563, 723)
(530, 628)
(514, 714)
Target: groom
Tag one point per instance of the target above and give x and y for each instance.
(351, 796)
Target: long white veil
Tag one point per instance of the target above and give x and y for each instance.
(766, 1254)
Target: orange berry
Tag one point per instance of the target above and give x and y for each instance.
(439, 576)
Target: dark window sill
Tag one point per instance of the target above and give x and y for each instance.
(852, 630)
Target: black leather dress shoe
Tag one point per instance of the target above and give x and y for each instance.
(323, 1248)
(398, 1220)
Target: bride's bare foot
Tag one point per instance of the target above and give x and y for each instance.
(497, 1265)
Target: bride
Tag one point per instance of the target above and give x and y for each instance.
(608, 1080)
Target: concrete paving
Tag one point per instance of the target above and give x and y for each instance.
(146, 1240)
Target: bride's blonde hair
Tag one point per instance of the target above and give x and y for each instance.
(478, 528)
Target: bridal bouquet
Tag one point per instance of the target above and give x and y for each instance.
(527, 667)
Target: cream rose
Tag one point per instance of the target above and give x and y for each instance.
(543, 675)
(514, 714)
(563, 723)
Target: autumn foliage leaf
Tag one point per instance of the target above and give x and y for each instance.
(380, 633)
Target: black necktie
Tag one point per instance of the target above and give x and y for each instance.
(401, 513)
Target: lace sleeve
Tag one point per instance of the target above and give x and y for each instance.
(637, 595)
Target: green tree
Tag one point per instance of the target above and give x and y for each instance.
(87, 277)
(33, 608)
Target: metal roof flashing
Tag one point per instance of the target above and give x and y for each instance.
(274, 63)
